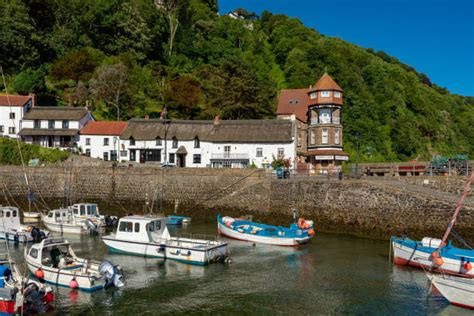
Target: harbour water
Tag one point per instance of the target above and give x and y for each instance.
(334, 274)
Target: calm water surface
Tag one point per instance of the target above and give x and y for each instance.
(335, 274)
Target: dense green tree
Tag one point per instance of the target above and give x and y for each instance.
(30, 81)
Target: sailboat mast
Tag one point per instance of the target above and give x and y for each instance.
(467, 190)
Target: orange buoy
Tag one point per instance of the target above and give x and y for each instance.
(438, 261)
(311, 232)
(73, 284)
(435, 254)
(227, 224)
(39, 274)
(467, 266)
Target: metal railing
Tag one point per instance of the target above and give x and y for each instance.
(335, 120)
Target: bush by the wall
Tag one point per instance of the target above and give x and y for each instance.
(10, 154)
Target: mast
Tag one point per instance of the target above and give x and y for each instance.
(467, 190)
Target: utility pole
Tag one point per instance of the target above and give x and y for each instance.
(357, 154)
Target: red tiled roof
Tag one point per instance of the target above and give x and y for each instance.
(103, 128)
(325, 152)
(294, 101)
(15, 100)
(326, 83)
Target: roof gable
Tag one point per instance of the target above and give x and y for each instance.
(103, 128)
(294, 101)
(14, 100)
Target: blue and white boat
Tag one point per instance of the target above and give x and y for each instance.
(178, 220)
(297, 234)
(423, 253)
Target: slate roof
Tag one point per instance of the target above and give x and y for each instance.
(48, 132)
(103, 128)
(225, 131)
(56, 113)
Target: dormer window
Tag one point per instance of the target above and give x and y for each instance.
(158, 141)
(197, 143)
(337, 94)
(175, 142)
(132, 141)
(313, 95)
(325, 94)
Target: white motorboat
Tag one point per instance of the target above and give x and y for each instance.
(458, 291)
(20, 295)
(88, 211)
(54, 261)
(12, 229)
(32, 215)
(149, 237)
(64, 221)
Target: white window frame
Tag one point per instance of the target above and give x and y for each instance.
(281, 152)
(259, 152)
(325, 94)
(313, 95)
(336, 136)
(313, 137)
(325, 136)
(325, 116)
(337, 94)
(106, 141)
(11, 130)
(88, 141)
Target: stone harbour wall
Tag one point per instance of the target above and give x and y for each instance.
(360, 207)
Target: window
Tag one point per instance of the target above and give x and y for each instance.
(11, 130)
(88, 141)
(153, 155)
(123, 153)
(325, 94)
(106, 141)
(65, 124)
(37, 123)
(197, 143)
(157, 225)
(1, 128)
(337, 94)
(132, 141)
(281, 152)
(34, 253)
(133, 155)
(259, 152)
(151, 226)
(12, 115)
(313, 137)
(197, 158)
(171, 160)
(175, 142)
(336, 136)
(14, 213)
(51, 124)
(227, 164)
(126, 227)
(83, 210)
(113, 155)
(88, 152)
(313, 95)
(7, 214)
(325, 116)
(324, 139)
(137, 227)
(300, 138)
(106, 156)
(226, 151)
(158, 141)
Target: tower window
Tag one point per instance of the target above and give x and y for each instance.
(337, 94)
(324, 136)
(336, 136)
(313, 137)
(325, 94)
(313, 95)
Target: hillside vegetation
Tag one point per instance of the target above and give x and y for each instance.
(10, 153)
(128, 59)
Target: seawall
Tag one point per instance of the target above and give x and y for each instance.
(370, 208)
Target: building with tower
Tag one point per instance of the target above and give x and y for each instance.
(317, 111)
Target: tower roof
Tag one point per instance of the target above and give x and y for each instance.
(326, 83)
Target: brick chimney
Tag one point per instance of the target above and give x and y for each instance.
(217, 120)
(33, 99)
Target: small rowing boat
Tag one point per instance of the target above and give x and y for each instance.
(31, 215)
(458, 291)
(178, 220)
(297, 234)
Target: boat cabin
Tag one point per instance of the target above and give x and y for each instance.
(85, 210)
(141, 228)
(53, 252)
(9, 218)
(62, 215)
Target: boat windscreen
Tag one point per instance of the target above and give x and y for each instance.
(92, 209)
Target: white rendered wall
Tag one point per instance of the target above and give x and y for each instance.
(6, 122)
(97, 147)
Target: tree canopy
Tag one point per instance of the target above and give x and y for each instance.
(131, 58)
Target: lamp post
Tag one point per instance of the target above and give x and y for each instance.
(357, 134)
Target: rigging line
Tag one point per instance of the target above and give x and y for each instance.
(11, 196)
(460, 239)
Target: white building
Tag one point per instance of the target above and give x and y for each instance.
(54, 126)
(217, 144)
(102, 140)
(12, 110)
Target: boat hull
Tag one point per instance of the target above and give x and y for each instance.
(280, 241)
(31, 215)
(406, 252)
(21, 237)
(458, 291)
(173, 249)
(65, 228)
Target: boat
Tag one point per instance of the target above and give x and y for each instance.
(54, 261)
(178, 220)
(31, 215)
(297, 234)
(20, 295)
(12, 229)
(458, 291)
(90, 211)
(149, 237)
(437, 255)
(63, 221)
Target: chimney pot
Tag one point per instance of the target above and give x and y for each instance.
(217, 120)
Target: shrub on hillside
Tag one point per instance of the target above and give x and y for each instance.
(10, 153)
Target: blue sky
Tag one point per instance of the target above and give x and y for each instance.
(436, 37)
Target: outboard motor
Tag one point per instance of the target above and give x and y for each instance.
(91, 226)
(37, 234)
(111, 273)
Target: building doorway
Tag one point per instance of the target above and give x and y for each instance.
(181, 160)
